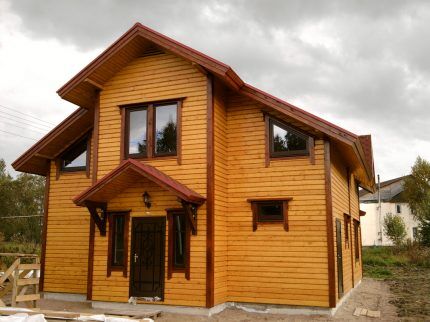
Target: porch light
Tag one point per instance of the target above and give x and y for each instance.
(147, 199)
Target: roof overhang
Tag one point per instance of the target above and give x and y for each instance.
(36, 159)
(127, 173)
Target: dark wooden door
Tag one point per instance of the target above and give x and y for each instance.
(339, 258)
(147, 257)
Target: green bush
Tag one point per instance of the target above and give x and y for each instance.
(395, 229)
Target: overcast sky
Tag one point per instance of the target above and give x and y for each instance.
(364, 65)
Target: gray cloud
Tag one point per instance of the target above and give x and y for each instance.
(362, 64)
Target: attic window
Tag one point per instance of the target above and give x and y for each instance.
(286, 141)
(75, 158)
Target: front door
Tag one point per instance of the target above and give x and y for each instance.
(147, 257)
(339, 258)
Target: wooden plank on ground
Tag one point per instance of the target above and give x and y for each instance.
(28, 281)
(29, 266)
(28, 297)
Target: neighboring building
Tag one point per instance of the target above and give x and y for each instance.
(174, 181)
(392, 202)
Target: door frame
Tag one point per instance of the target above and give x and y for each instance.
(339, 258)
(134, 220)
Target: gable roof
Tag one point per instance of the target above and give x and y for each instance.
(128, 172)
(81, 89)
(391, 190)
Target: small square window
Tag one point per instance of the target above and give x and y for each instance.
(269, 211)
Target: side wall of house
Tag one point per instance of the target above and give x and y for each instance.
(145, 79)
(66, 258)
(271, 265)
(220, 194)
(345, 201)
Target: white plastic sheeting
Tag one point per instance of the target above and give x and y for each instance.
(24, 317)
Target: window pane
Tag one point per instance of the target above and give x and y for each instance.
(270, 211)
(76, 157)
(284, 140)
(118, 241)
(179, 241)
(137, 134)
(165, 129)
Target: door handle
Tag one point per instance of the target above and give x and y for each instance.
(135, 257)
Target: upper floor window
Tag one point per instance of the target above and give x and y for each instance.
(151, 130)
(75, 158)
(286, 141)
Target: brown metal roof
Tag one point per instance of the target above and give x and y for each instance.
(128, 172)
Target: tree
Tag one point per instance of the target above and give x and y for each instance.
(22, 196)
(417, 194)
(395, 229)
(417, 189)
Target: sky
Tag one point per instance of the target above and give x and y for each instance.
(363, 65)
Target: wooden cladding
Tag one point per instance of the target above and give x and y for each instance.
(179, 235)
(269, 210)
(118, 242)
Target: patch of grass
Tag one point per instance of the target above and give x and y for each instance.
(377, 272)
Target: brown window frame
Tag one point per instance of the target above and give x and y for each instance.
(110, 266)
(150, 107)
(347, 223)
(273, 154)
(257, 202)
(86, 139)
(171, 268)
(356, 239)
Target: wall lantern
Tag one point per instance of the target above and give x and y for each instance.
(147, 199)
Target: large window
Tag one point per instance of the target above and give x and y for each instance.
(286, 141)
(151, 130)
(269, 211)
(179, 243)
(75, 158)
(118, 242)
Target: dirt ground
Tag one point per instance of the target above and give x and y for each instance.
(411, 289)
(371, 294)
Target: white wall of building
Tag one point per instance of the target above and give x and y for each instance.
(371, 225)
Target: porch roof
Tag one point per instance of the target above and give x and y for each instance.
(128, 172)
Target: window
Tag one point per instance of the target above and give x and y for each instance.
(118, 242)
(286, 141)
(356, 240)
(75, 158)
(347, 219)
(151, 130)
(398, 209)
(137, 145)
(269, 211)
(165, 129)
(179, 243)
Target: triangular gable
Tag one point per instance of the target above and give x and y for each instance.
(126, 174)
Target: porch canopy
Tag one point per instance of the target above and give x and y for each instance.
(96, 197)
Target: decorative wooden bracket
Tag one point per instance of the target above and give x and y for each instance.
(191, 212)
(100, 220)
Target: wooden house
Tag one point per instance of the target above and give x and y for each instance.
(176, 183)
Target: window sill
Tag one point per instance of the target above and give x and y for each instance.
(164, 157)
(287, 157)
